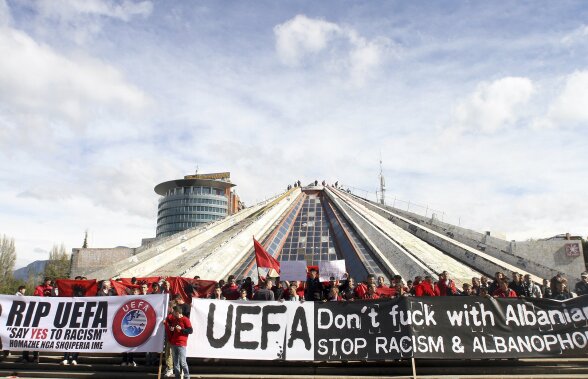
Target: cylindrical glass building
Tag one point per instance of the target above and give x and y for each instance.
(193, 201)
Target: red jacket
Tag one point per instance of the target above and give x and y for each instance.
(424, 289)
(507, 293)
(174, 336)
(447, 289)
(43, 290)
(361, 290)
(231, 292)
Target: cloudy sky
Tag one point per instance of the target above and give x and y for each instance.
(479, 109)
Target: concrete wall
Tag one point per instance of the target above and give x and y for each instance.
(552, 253)
(541, 258)
(479, 260)
(85, 261)
(222, 260)
(169, 249)
(388, 252)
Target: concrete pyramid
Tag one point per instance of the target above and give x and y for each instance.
(317, 223)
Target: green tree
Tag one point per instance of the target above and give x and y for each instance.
(7, 261)
(85, 244)
(58, 266)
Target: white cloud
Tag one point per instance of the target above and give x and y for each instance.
(302, 39)
(68, 10)
(493, 106)
(223, 104)
(82, 20)
(65, 220)
(577, 36)
(5, 17)
(44, 90)
(301, 35)
(571, 105)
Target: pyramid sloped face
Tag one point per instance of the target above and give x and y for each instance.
(328, 224)
(310, 239)
(315, 224)
(314, 230)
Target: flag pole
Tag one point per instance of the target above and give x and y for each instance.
(257, 267)
(414, 376)
(160, 364)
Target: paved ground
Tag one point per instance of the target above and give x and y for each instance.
(107, 366)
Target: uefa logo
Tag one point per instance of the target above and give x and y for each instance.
(133, 323)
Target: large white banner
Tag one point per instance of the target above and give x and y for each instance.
(252, 329)
(83, 324)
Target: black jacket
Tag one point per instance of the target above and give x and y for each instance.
(314, 290)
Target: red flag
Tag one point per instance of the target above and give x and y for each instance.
(78, 288)
(124, 286)
(121, 288)
(189, 288)
(263, 259)
(386, 291)
(148, 280)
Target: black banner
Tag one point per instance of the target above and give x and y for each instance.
(450, 327)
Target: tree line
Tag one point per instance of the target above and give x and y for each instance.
(58, 266)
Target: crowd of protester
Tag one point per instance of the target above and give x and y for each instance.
(379, 287)
(313, 289)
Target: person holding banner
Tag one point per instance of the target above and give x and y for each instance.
(178, 329)
(106, 289)
(495, 285)
(231, 289)
(426, 288)
(347, 290)
(582, 286)
(372, 293)
(530, 289)
(179, 300)
(293, 295)
(21, 291)
(265, 293)
(446, 285)
(243, 295)
(504, 291)
(282, 292)
(314, 288)
(400, 291)
(382, 282)
(155, 288)
(165, 287)
(561, 292)
(45, 289)
(333, 294)
(475, 285)
(25, 357)
(218, 293)
(327, 288)
(169, 362)
(362, 288)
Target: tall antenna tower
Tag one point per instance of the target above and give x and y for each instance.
(382, 183)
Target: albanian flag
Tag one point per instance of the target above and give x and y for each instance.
(76, 288)
(189, 288)
(263, 259)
